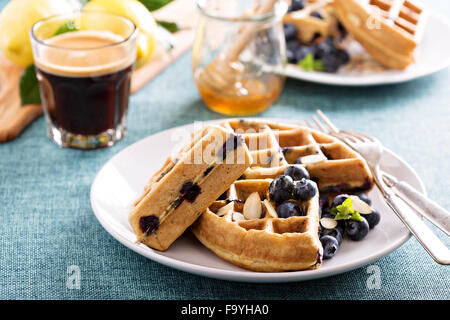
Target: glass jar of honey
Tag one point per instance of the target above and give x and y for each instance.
(239, 54)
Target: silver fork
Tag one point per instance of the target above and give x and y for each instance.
(371, 149)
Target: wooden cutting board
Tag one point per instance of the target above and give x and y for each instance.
(14, 118)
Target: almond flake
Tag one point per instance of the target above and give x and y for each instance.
(252, 207)
(360, 206)
(225, 209)
(328, 223)
(312, 158)
(270, 209)
(238, 216)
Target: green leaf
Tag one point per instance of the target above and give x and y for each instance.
(307, 63)
(29, 87)
(169, 26)
(68, 26)
(318, 65)
(153, 5)
(345, 211)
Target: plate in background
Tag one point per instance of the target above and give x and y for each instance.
(432, 56)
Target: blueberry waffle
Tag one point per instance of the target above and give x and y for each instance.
(389, 30)
(268, 220)
(245, 229)
(316, 18)
(187, 184)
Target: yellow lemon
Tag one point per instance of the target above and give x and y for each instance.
(142, 18)
(16, 20)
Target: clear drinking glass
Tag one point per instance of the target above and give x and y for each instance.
(84, 63)
(239, 54)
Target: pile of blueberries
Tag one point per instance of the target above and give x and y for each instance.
(323, 49)
(293, 184)
(356, 230)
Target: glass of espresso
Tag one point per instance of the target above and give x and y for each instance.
(84, 63)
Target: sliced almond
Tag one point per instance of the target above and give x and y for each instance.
(360, 206)
(312, 158)
(237, 216)
(328, 223)
(270, 209)
(252, 207)
(225, 209)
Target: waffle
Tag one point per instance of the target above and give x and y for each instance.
(270, 243)
(389, 30)
(267, 244)
(308, 26)
(186, 185)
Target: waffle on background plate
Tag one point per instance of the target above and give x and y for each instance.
(389, 30)
(268, 243)
(238, 220)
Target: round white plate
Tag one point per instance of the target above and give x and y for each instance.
(432, 56)
(121, 181)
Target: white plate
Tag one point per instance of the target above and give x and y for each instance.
(121, 181)
(432, 56)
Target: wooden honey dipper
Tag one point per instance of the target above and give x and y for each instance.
(222, 71)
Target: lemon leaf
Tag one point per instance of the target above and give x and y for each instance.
(67, 26)
(153, 5)
(169, 26)
(29, 87)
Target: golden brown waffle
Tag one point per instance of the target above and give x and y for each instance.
(308, 26)
(268, 243)
(273, 146)
(389, 30)
(185, 186)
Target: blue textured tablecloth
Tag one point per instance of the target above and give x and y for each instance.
(47, 224)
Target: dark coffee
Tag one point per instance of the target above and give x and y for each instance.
(85, 81)
(86, 105)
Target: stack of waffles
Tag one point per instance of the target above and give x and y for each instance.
(231, 211)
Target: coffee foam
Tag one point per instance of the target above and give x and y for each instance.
(85, 54)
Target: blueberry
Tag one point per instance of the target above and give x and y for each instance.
(372, 218)
(342, 56)
(364, 197)
(302, 52)
(305, 190)
(357, 230)
(291, 50)
(297, 173)
(316, 15)
(326, 213)
(331, 63)
(335, 233)
(330, 246)
(323, 201)
(324, 48)
(281, 189)
(290, 31)
(296, 5)
(149, 224)
(289, 209)
(339, 199)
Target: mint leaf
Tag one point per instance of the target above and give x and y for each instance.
(29, 87)
(68, 26)
(169, 26)
(345, 211)
(152, 5)
(318, 65)
(307, 63)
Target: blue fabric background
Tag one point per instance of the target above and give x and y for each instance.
(47, 224)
